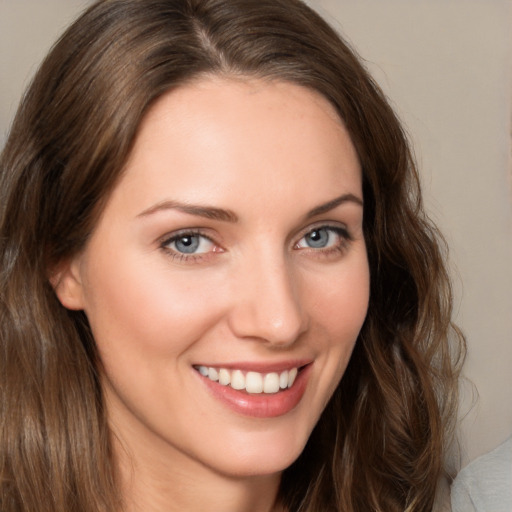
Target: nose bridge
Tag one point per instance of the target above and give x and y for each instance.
(267, 302)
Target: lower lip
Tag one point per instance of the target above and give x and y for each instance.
(262, 405)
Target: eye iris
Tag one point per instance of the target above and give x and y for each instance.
(317, 238)
(187, 244)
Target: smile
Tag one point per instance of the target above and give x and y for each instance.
(267, 393)
(251, 382)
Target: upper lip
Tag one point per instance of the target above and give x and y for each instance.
(260, 367)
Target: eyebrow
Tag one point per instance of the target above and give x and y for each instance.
(211, 212)
(327, 207)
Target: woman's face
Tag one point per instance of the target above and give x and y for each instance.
(230, 258)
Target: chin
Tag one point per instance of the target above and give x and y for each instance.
(261, 454)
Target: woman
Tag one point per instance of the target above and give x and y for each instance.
(195, 311)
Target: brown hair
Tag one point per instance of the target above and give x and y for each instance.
(380, 443)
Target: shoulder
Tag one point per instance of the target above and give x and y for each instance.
(485, 485)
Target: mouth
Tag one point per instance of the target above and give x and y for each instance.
(260, 391)
(251, 382)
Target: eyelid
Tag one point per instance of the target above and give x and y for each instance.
(338, 227)
(173, 235)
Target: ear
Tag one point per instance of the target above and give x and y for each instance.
(66, 281)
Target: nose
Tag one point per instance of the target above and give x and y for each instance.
(267, 305)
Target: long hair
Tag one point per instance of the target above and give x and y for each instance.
(380, 443)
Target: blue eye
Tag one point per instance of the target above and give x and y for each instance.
(317, 239)
(189, 243)
(323, 237)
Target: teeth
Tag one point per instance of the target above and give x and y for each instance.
(283, 380)
(237, 380)
(224, 377)
(291, 376)
(252, 382)
(271, 383)
(213, 374)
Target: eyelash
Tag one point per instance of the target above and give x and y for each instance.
(344, 238)
(340, 247)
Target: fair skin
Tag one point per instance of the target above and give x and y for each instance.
(233, 243)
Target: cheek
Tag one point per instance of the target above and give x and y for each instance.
(145, 307)
(340, 304)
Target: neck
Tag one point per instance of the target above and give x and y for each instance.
(151, 482)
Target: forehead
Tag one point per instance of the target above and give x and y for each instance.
(216, 135)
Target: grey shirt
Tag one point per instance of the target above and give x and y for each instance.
(485, 485)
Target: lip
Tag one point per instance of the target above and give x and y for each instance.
(261, 405)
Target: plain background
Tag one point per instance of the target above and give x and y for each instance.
(446, 66)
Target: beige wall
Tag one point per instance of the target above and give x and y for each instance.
(446, 65)
(28, 28)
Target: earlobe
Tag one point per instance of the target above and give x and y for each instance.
(67, 283)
